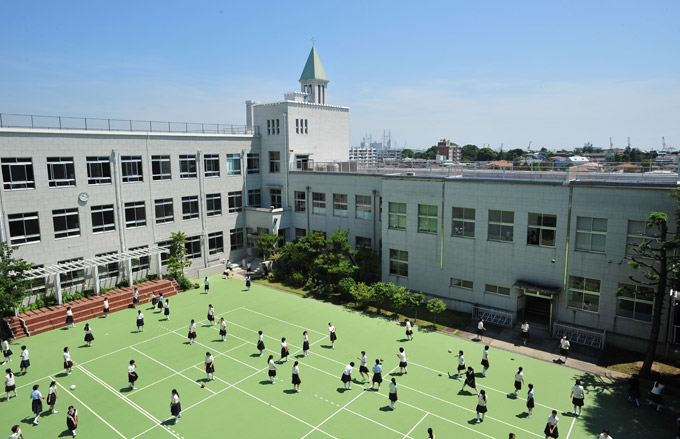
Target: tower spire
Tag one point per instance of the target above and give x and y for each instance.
(314, 80)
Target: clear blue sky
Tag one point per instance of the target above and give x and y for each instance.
(557, 73)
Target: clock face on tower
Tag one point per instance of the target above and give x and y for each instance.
(83, 197)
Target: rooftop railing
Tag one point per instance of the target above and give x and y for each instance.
(30, 121)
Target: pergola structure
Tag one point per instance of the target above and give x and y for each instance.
(126, 257)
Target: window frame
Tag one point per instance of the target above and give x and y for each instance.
(541, 229)
(17, 165)
(276, 198)
(190, 208)
(132, 170)
(506, 230)
(213, 204)
(215, 243)
(101, 212)
(188, 167)
(163, 204)
(211, 165)
(236, 239)
(360, 242)
(274, 162)
(233, 165)
(300, 201)
(635, 301)
(27, 219)
(496, 289)
(338, 204)
(235, 201)
(193, 247)
(100, 165)
(71, 223)
(462, 222)
(110, 269)
(583, 292)
(318, 203)
(397, 216)
(161, 168)
(137, 206)
(426, 218)
(252, 163)
(64, 165)
(582, 232)
(363, 210)
(255, 195)
(398, 264)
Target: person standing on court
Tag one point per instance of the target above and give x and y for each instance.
(6, 351)
(209, 366)
(260, 342)
(132, 374)
(551, 427)
(16, 433)
(409, 330)
(223, 329)
(363, 367)
(530, 401)
(135, 298)
(403, 365)
(564, 349)
(166, 312)
(577, 396)
(10, 384)
(175, 406)
(394, 396)
(284, 350)
(192, 332)
(72, 419)
(154, 300)
(206, 285)
(485, 360)
(470, 380)
(211, 314)
(140, 320)
(160, 302)
(25, 362)
(52, 396)
(296, 377)
(480, 329)
(519, 380)
(36, 403)
(88, 335)
(248, 281)
(305, 344)
(346, 377)
(69, 318)
(377, 374)
(525, 332)
(68, 363)
(334, 337)
(461, 365)
(272, 369)
(481, 405)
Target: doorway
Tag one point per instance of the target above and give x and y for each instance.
(537, 308)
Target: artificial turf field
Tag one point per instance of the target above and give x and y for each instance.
(241, 402)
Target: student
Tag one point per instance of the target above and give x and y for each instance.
(551, 427)
(72, 419)
(346, 377)
(480, 330)
(192, 332)
(206, 285)
(132, 375)
(209, 366)
(36, 403)
(25, 362)
(296, 377)
(10, 384)
(211, 314)
(284, 350)
(634, 389)
(481, 405)
(334, 337)
(394, 397)
(525, 332)
(305, 343)
(519, 380)
(485, 360)
(248, 281)
(52, 396)
(605, 434)
(6, 351)
(511, 436)
(530, 401)
(227, 269)
(175, 406)
(564, 349)
(363, 367)
(260, 342)
(409, 330)
(223, 329)
(377, 374)
(140, 321)
(461, 365)
(69, 318)
(470, 380)
(430, 433)
(68, 363)
(166, 312)
(88, 335)
(272, 369)
(655, 394)
(153, 300)
(577, 396)
(402, 361)
(106, 308)
(16, 433)
(160, 302)
(135, 298)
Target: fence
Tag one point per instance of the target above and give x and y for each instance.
(595, 338)
(493, 316)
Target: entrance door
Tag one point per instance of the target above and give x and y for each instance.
(537, 308)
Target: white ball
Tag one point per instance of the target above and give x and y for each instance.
(73, 387)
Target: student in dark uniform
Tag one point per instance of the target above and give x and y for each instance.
(88, 335)
(305, 343)
(36, 403)
(363, 367)
(52, 395)
(485, 360)
(394, 393)
(209, 366)
(634, 389)
(577, 396)
(140, 321)
(346, 376)
(154, 300)
(519, 380)
(10, 383)
(6, 351)
(166, 312)
(525, 332)
(160, 302)
(175, 406)
(377, 374)
(68, 363)
(461, 365)
(272, 369)
(106, 308)
(481, 405)
(284, 350)
(334, 337)
(72, 419)
(192, 332)
(211, 314)
(132, 374)
(69, 318)
(135, 298)
(260, 342)
(530, 400)
(551, 427)
(296, 377)
(403, 364)
(470, 379)
(223, 329)
(248, 281)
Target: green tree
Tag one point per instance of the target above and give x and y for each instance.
(368, 264)
(381, 295)
(13, 282)
(398, 297)
(406, 153)
(486, 155)
(335, 263)
(436, 307)
(514, 154)
(266, 243)
(415, 299)
(469, 153)
(178, 260)
(301, 255)
(362, 294)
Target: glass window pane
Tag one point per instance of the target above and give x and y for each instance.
(598, 243)
(599, 225)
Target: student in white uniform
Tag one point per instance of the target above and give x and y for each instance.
(334, 337)
(192, 332)
(140, 321)
(377, 374)
(166, 311)
(25, 362)
(403, 365)
(519, 380)
(577, 396)
(284, 350)
(346, 377)
(394, 396)
(605, 434)
(260, 342)
(135, 298)
(68, 363)
(530, 401)
(69, 318)
(564, 349)
(16, 433)
(52, 395)
(10, 383)
(525, 332)
(175, 406)
(206, 285)
(296, 377)
(655, 394)
(481, 406)
(223, 329)
(209, 366)
(72, 419)
(363, 367)
(211, 314)
(106, 308)
(36, 403)
(88, 335)
(551, 427)
(132, 374)
(305, 344)
(409, 330)
(6, 351)
(480, 330)
(272, 369)
(485, 360)
(461, 365)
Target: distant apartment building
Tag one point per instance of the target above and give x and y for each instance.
(449, 151)
(370, 155)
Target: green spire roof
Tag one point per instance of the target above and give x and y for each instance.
(313, 68)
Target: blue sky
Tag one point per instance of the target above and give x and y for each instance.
(556, 73)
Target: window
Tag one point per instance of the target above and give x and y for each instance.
(302, 162)
(635, 302)
(542, 229)
(275, 198)
(306, 127)
(233, 164)
(66, 223)
(591, 234)
(212, 165)
(274, 161)
(399, 262)
(215, 243)
(269, 127)
(362, 204)
(37, 285)
(98, 170)
(300, 201)
(638, 232)
(463, 223)
(460, 283)
(495, 289)
(300, 233)
(23, 228)
(254, 198)
(73, 277)
(362, 242)
(187, 166)
(253, 163)
(108, 269)
(318, 203)
(276, 126)
(190, 207)
(102, 218)
(131, 168)
(61, 171)
(164, 255)
(193, 246)
(339, 204)
(584, 293)
(213, 204)
(160, 167)
(235, 201)
(140, 263)
(427, 218)
(283, 234)
(501, 225)
(135, 214)
(397, 212)
(17, 173)
(164, 211)
(236, 239)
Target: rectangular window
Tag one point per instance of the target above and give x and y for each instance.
(591, 234)
(37, 285)
(463, 222)
(253, 163)
(306, 127)
(164, 256)
(461, 283)
(274, 161)
(339, 204)
(584, 293)
(638, 233)
(542, 229)
(269, 127)
(318, 203)
(362, 242)
(300, 233)
(190, 207)
(66, 223)
(495, 289)
(215, 243)
(164, 211)
(427, 218)
(102, 218)
(193, 246)
(212, 165)
(501, 225)
(233, 164)
(300, 201)
(187, 166)
(17, 173)
(235, 201)
(72, 277)
(108, 269)
(635, 302)
(213, 204)
(131, 168)
(399, 262)
(23, 228)
(135, 214)
(254, 198)
(236, 239)
(397, 213)
(61, 171)
(297, 126)
(98, 170)
(140, 263)
(362, 206)
(160, 167)
(275, 198)
(278, 126)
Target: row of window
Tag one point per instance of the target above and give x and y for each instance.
(362, 204)
(301, 126)
(273, 126)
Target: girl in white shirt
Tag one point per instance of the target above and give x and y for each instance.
(481, 405)
(655, 394)
(305, 343)
(209, 366)
(52, 396)
(175, 406)
(296, 377)
(69, 318)
(260, 342)
(68, 363)
(485, 360)
(132, 375)
(192, 332)
(284, 350)
(402, 361)
(409, 330)
(525, 332)
(106, 308)
(334, 337)
(519, 380)
(88, 335)
(6, 351)
(272, 369)
(140, 321)
(551, 427)
(577, 396)
(363, 367)
(393, 393)
(25, 362)
(223, 329)
(346, 377)
(211, 314)
(10, 384)
(530, 400)
(377, 374)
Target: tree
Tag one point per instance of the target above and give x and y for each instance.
(335, 264)
(406, 153)
(13, 282)
(362, 294)
(436, 307)
(415, 299)
(178, 260)
(368, 264)
(301, 256)
(266, 243)
(486, 155)
(469, 153)
(381, 295)
(398, 296)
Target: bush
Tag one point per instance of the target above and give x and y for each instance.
(184, 283)
(297, 279)
(362, 294)
(345, 287)
(436, 306)
(278, 275)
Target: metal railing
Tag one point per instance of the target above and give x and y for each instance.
(595, 338)
(31, 121)
(493, 316)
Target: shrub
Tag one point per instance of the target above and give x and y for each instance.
(297, 279)
(436, 306)
(183, 283)
(345, 287)
(362, 294)
(278, 275)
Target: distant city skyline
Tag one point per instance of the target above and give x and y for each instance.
(557, 75)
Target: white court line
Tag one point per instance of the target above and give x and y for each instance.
(572, 426)
(169, 368)
(93, 412)
(414, 427)
(283, 321)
